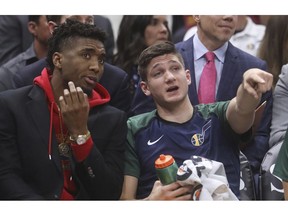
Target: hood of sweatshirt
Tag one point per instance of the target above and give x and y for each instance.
(99, 96)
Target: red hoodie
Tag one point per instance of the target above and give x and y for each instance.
(99, 96)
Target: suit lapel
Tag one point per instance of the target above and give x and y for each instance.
(41, 120)
(187, 52)
(229, 81)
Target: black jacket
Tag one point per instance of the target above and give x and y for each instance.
(26, 172)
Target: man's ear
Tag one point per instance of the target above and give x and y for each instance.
(32, 28)
(57, 59)
(188, 76)
(52, 25)
(145, 88)
(196, 18)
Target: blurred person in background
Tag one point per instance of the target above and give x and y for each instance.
(14, 36)
(38, 27)
(274, 46)
(248, 35)
(134, 35)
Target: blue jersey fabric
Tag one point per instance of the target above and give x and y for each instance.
(206, 134)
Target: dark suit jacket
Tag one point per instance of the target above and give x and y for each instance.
(236, 63)
(26, 172)
(114, 79)
(15, 37)
(8, 70)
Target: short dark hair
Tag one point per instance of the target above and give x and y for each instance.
(153, 51)
(54, 18)
(34, 18)
(71, 29)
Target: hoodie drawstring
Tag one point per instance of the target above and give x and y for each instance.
(50, 131)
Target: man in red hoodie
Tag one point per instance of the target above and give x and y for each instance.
(59, 139)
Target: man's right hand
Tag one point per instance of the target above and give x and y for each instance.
(173, 191)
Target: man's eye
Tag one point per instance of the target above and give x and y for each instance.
(157, 74)
(154, 22)
(86, 56)
(91, 22)
(101, 61)
(175, 68)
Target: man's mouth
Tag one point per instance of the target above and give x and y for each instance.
(172, 88)
(91, 80)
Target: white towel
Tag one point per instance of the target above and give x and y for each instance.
(209, 178)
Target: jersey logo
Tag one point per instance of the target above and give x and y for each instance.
(152, 143)
(198, 139)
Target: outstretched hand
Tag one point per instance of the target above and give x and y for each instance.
(241, 109)
(256, 82)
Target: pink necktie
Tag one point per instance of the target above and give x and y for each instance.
(207, 84)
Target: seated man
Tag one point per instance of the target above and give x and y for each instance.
(59, 138)
(180, 129)
(114, 79)
(230, 63)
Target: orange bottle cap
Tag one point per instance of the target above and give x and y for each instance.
(164, 161)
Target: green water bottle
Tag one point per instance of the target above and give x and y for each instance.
(166, 169)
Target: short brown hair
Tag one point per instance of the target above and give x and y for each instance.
(153, 51)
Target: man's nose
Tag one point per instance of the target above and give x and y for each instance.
(95, 66)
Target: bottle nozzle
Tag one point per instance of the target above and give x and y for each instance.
(162, 157)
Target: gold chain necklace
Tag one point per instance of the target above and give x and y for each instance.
(64, 148)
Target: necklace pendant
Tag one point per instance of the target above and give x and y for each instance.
(64, 150)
